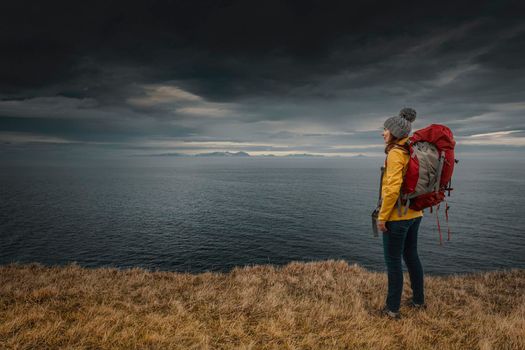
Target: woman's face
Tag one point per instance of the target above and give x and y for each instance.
(386, 135)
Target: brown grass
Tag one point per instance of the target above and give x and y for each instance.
(316, 305)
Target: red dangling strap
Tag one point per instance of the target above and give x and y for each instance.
(446, 216)
(439, 227)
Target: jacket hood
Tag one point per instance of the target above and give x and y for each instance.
(402, 141)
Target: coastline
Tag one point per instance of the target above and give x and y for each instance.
(301, 305)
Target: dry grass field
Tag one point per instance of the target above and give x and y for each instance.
(314, 305)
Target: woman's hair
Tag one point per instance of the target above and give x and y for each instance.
(391, 143)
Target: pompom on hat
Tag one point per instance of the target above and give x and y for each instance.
(408, 113)
(401, 125)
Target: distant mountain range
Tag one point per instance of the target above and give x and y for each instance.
(211, 154)
(223, 154)
(242, 154)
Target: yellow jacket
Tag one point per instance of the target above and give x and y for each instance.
(396, 166)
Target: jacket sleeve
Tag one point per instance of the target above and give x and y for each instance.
(392, 184)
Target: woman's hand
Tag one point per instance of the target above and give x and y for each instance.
(381, 226)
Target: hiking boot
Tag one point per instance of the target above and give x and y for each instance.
(390, 314)
(416, 305)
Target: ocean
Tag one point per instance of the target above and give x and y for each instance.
(194, 214)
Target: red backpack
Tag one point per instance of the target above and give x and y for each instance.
(429, 172)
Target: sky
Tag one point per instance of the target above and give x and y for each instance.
(127, 78)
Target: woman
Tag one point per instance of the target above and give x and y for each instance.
(399, 229)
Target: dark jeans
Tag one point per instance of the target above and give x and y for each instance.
(401, 239)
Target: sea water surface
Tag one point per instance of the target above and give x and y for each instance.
(211, 214)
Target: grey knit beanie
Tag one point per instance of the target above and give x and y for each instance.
(401, 125)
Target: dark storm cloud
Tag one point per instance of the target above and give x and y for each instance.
(263, 47)
(290, 72)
